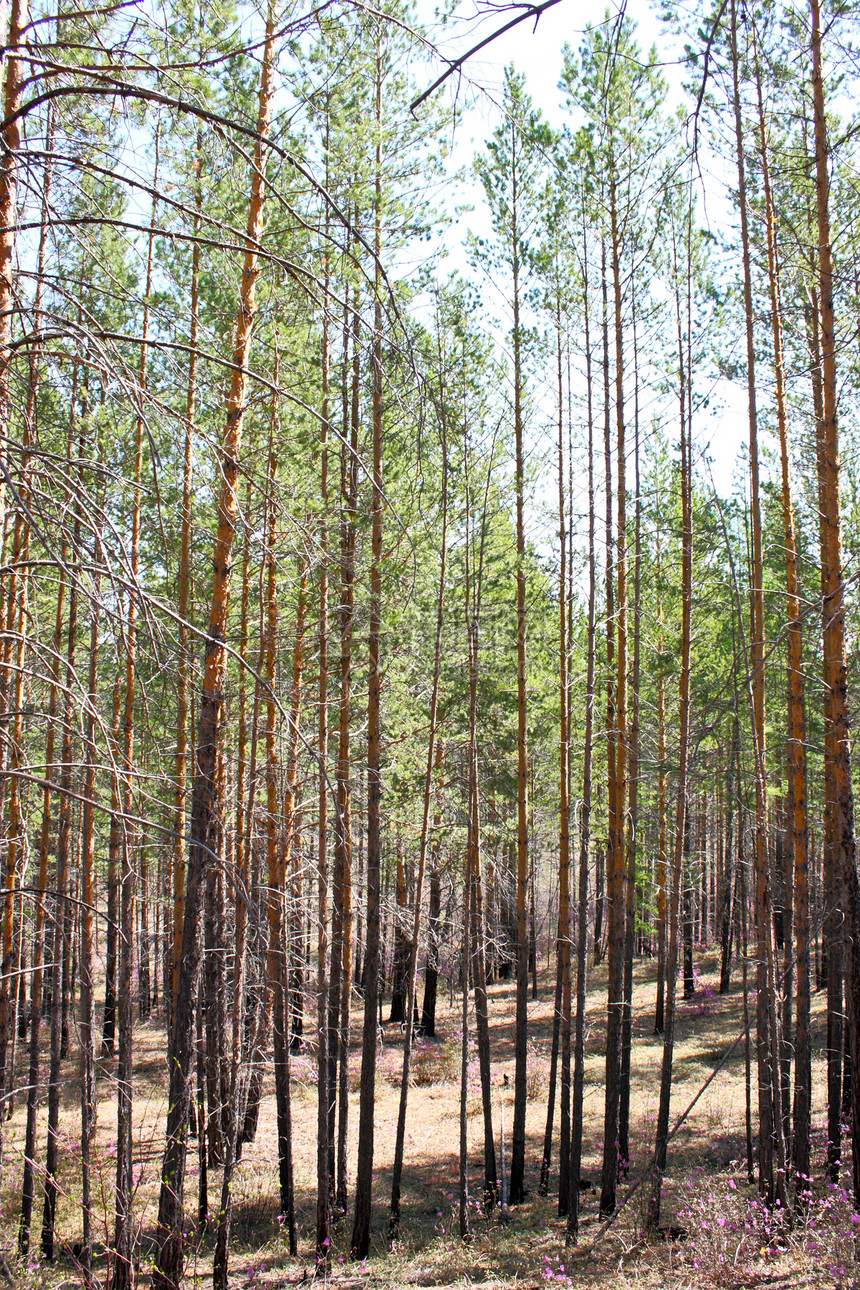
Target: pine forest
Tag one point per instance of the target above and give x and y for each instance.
(430, 514)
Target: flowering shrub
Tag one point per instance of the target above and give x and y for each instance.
(553, 1270)
(433, 1063)
(536, 1075)
(448, 1213)
(730, 1235)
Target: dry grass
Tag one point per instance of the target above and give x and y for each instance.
(729, 1240)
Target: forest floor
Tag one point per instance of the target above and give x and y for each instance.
(727, 1239)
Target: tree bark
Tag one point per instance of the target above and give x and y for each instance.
(561, 1021)
(241, 868)
(771, 1144)
(633, 795)
(617, 750)
(169, 1244)
(465, 958)
(360, 1241)
(88, 909)
(121, 1267)
(64, 826)
(36, 987)
(431, 969)
(432, 758)
(180, 799)
(323, 1214)
(11, 138)
(340, 994)
(518, 1131)
(662, 1131)
(477, 958)
(578, 1082)
(840, 846)
(292, 860)
(114, 842)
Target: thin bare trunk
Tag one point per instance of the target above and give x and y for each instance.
(431, 969)
(64, 825)
(662, 1132)
(578, 1082)
(87, 912)
(169, 1242)
(771, 1143)
(473, 585)
(180, 798)
(360, 1241)
(633, 797)
(561, 1020)
(323, 1216)
(121, 1268)
(241, 868)
(518, 1131)
(292, 860)
(36, 987)
(465, 959)
(796, 719)
(394, 1219)
(114, 843)
(662, 822)
(840, 846)
(342, 921)
(11, 138)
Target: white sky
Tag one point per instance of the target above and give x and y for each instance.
(537, 52)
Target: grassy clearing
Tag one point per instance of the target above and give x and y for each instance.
(727, 1239)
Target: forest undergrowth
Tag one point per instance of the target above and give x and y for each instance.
(715, 1230)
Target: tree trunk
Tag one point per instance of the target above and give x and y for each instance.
(36, 991)
(578, 1082)
(617, 750)
(88, 908)
(465, 959)
(604, 872)
(169, 1251)
(276, 861)
(662, 1131)
(771, 1145)
(323, 1215)
(433, 757)
(144, 973)
(213, 985)
(17, 599)
(687, 902)
(200, 1109)
(64, 824)
(235, 1112)
(401, 947)
(11, 137)
(796, 720)
(727, 919)
(292, 860)
(839, 820)
(518, 1132)
(184, 659)
(561, 1019)
(360, 1241)
(477, 958)
(662, 823)
(633, 791)
(431, 969)
(340, 994)
(114, 842)
(121, 1268)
